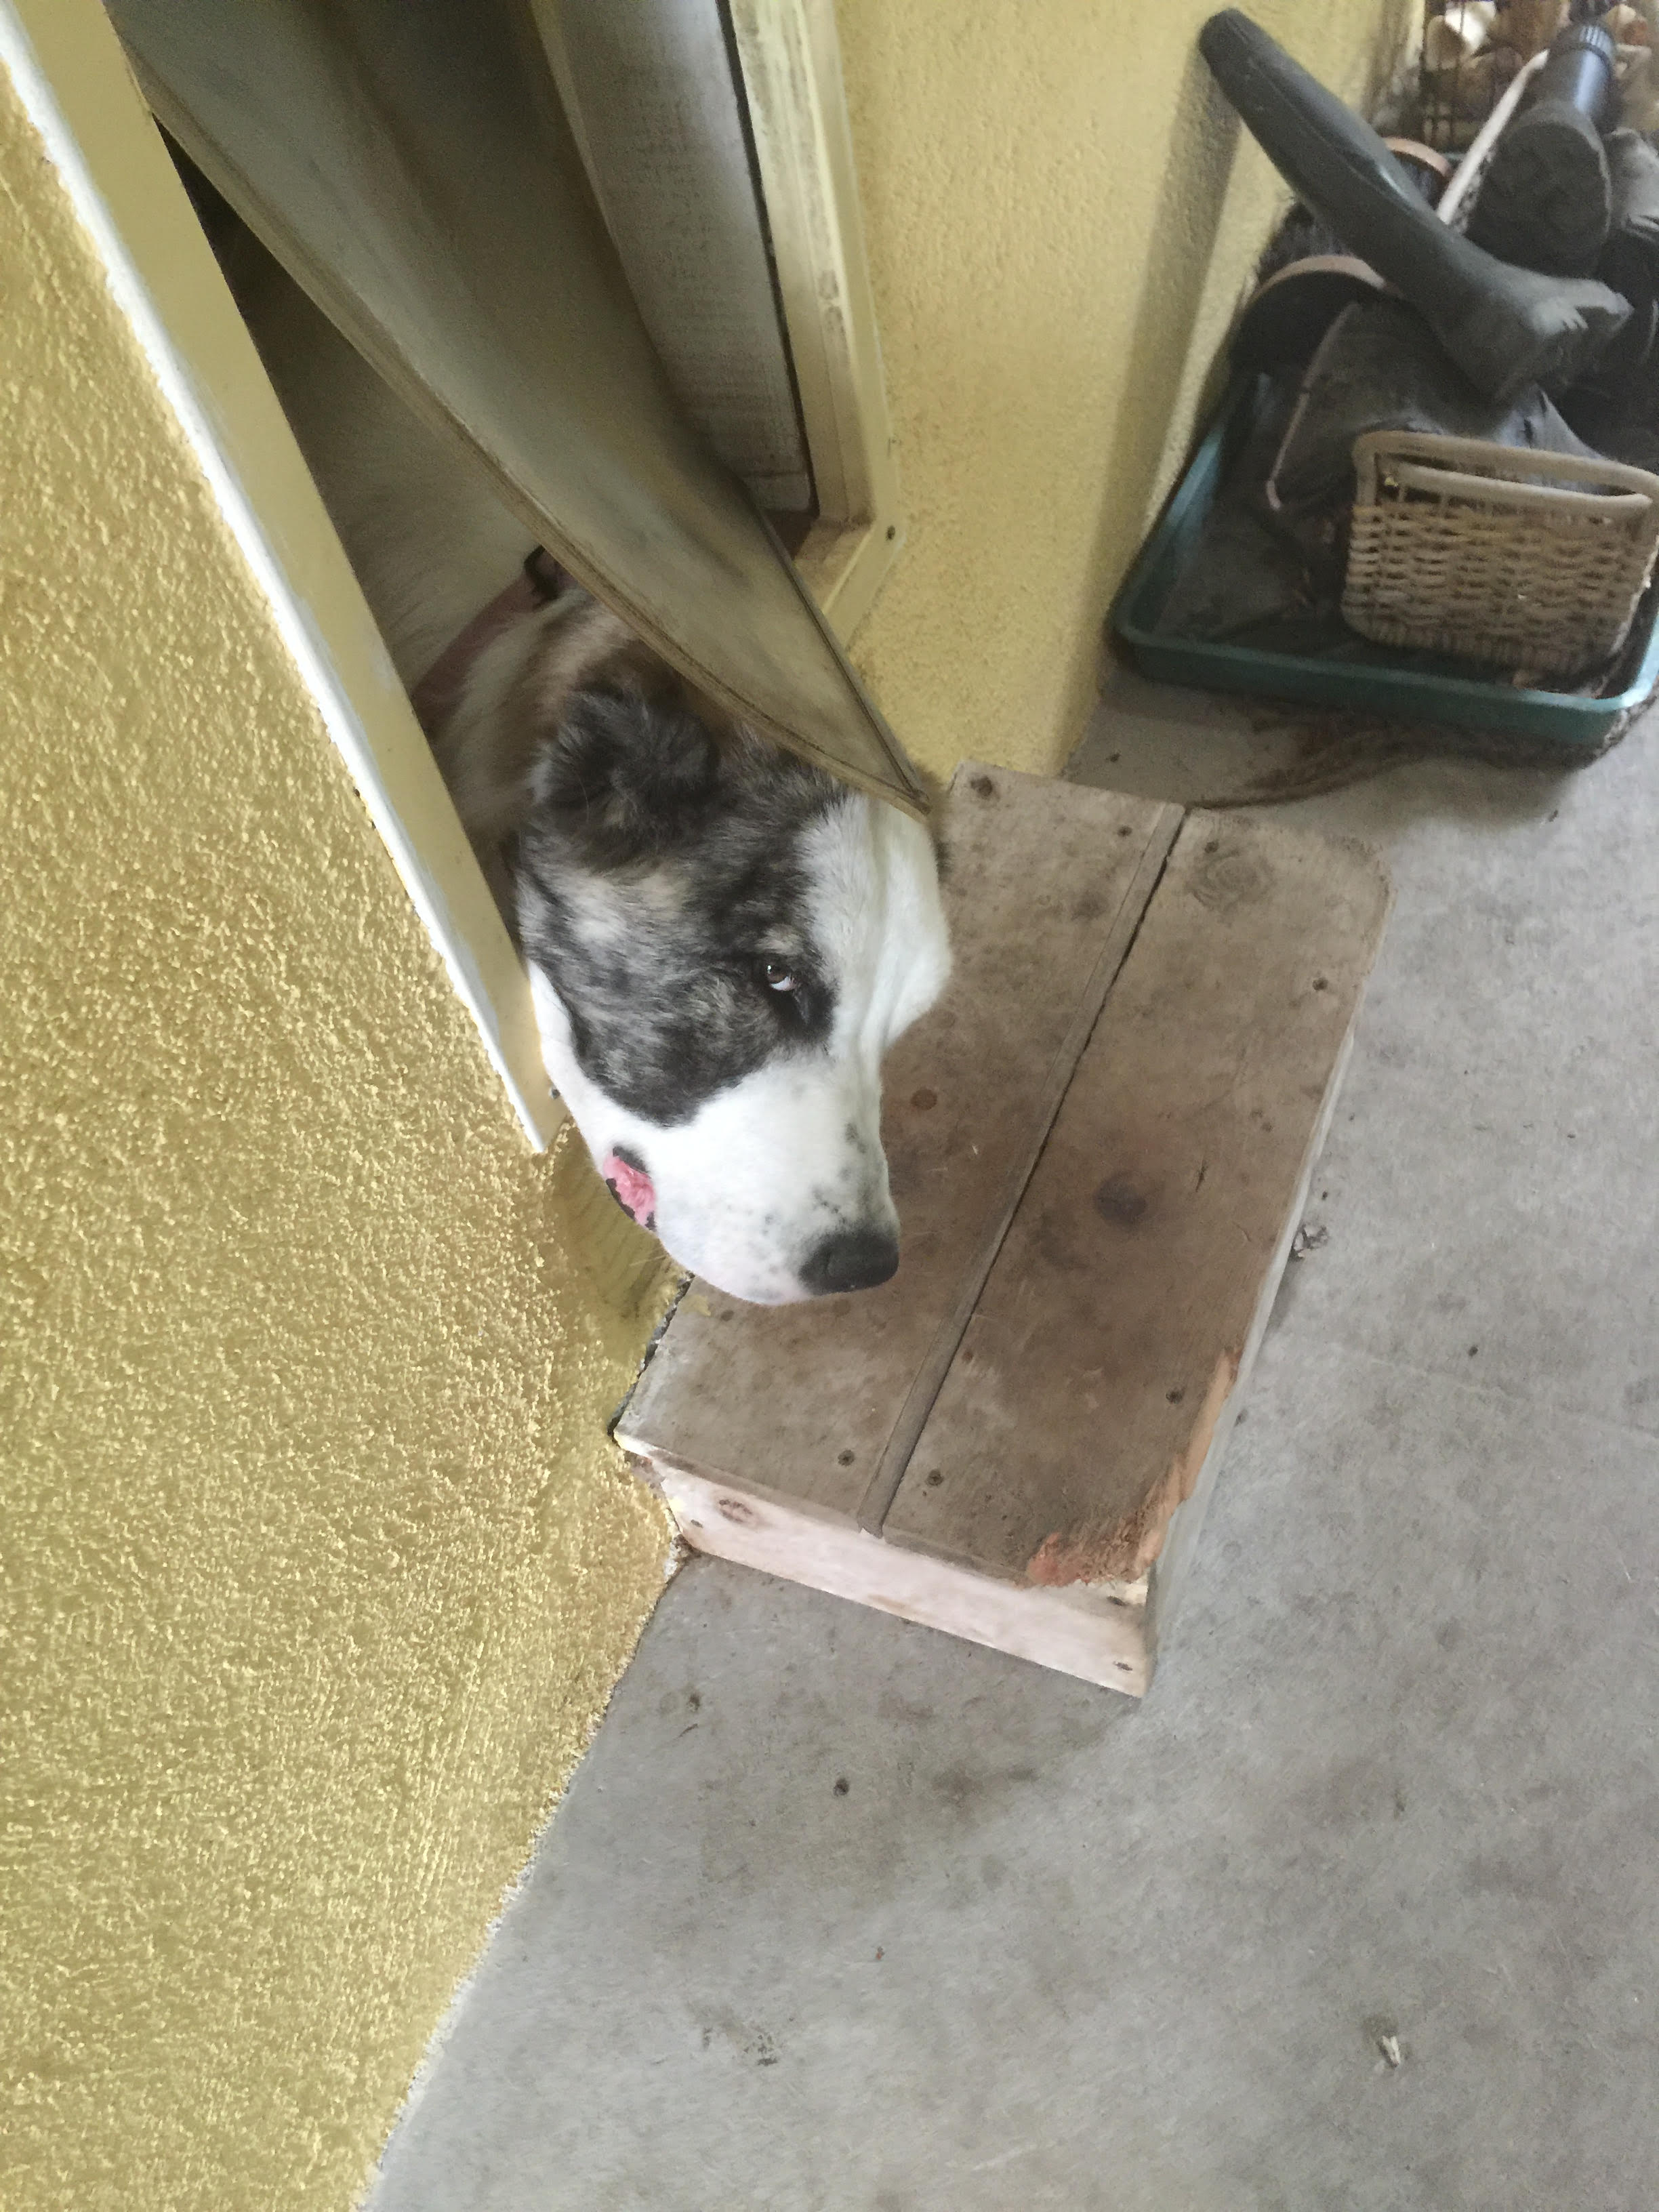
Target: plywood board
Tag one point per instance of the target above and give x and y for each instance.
(1097, 1634)
(1112, 1333)
(1041, 1486)
(1174, 1562)
(1044, 886)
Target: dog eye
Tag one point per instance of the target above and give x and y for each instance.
(778, 976)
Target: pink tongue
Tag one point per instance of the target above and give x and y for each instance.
(632, 1189)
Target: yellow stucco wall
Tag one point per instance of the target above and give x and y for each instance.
(317, 1569)
(1060, 217)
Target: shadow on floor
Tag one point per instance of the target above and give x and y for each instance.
(1201, 749)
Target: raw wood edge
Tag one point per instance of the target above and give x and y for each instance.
(1128, 1551)
(1081, 1633)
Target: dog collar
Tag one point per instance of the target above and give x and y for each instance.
(538, 584)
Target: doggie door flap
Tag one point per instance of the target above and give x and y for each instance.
(409, 165)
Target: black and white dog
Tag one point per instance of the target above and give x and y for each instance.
(722, 941)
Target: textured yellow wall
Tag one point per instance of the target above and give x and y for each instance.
(1060, 218)
(317, 1568)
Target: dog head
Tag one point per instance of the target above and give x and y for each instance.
(722, 942)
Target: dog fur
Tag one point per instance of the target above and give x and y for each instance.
(722, 941)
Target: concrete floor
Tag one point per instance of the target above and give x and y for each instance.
(841, 1915)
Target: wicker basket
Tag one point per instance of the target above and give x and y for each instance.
(1458, 546)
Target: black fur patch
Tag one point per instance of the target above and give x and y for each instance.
(658, 871)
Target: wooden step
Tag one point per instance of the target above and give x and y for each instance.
(1100, 1142)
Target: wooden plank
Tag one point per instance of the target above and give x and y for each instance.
(1169, 1571)
(790, 56)
(789, 53)
(1096, 1634)
(1102, 1361)
(1045, 884)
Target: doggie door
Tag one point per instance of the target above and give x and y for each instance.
(412, 168)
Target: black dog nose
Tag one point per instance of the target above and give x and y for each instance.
(851, 1260)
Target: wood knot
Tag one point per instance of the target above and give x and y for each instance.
(1230, 875)
(1121, 1201)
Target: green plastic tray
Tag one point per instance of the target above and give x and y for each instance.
(1373, 681)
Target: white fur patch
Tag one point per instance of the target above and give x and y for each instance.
(765, 1172)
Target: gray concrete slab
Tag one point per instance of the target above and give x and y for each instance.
(1396, 1782)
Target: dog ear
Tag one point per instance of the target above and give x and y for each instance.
(627, 776)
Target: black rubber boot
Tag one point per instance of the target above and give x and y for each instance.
(1506, 328)
(1546, 201)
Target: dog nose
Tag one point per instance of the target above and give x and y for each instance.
(851, 1260)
